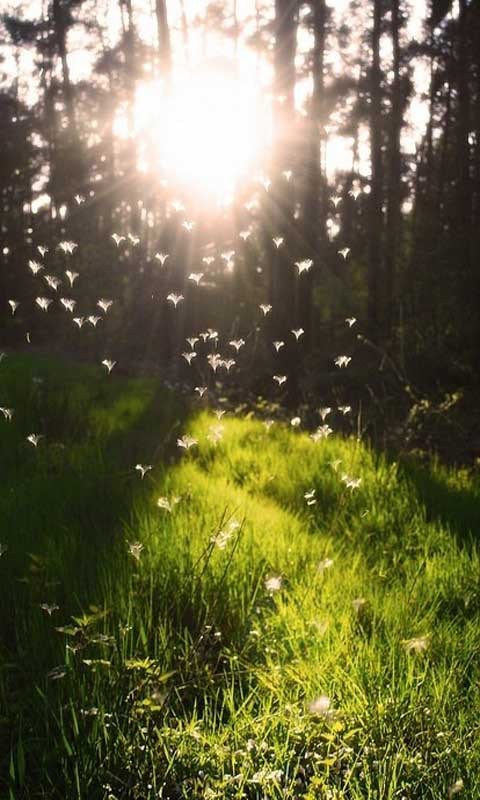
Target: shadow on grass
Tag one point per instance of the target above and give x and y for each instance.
(451, 498)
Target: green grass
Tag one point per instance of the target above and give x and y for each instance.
(180, 675)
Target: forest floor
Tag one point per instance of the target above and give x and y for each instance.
(261, 616)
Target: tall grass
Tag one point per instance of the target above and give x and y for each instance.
(173, 668)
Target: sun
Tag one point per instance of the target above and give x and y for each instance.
(208, 132)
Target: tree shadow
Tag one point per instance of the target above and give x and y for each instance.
(451, 498)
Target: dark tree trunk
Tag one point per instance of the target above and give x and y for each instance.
(375, 277)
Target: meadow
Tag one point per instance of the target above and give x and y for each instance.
(261, 615)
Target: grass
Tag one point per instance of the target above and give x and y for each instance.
(170, 669)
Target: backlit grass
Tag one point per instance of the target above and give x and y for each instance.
(191, 644)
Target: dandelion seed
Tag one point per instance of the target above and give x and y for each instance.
(196, 277)
(188, 226)
(162, 257)
(280, 379)
(49, 609)
(79, 199)
(72, 276)
(175, 298)
(3, 549)
(335, 463)
(219, 413)
(336, 201)
(358, 604)
(325, 564)
(53, 282)
(250, 206)
(200, 390)
(297, 332)
(208, 260)
(245, 234)
(34, 438)
(274, 583)
(304, 266)
(268, 424)
(189, 356)
(80, 321)
(93, 320)
(67, 247)
(278, 345)
(108, 364)
(68, 303)
(324, 412)
(278, 241)
(287, 174)
(310, 497)
(27, 337)
(350, 321)
(177, 206)
(35, 267)
(192, 341)
(42, 250)
(321, 707)
(322, 432)
(186, 442)
(7, 413)
(117, 238)
(342, 361)
(168, 504)
(227, 255)
(135, 549)
(417, 645)
(355, 193)
(456, 788)
(344, 252)
(265, 182)
(237, 343)
(143, 469)
(351, 483)
(57, 673)
(228, 363)
(104, 304)
(215, 434)
(43, 302)
(133, 239)
(345, 410)
(265, 308)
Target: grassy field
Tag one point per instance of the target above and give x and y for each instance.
(210, 632)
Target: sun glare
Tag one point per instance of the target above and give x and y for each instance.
(208, 132)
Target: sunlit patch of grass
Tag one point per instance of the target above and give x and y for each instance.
(233, 640)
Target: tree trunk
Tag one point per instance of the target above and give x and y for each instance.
(375, 299)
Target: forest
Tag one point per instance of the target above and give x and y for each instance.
(239, 399)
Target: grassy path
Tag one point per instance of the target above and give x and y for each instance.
(218, 634)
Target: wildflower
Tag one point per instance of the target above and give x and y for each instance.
(278, 345)
(280, 379)
(67, 247)
(304, 266)
(324, 412)
(456, 788)
(42, 250)
(297, 332)
(133, 239)
(244, 235)
(265, 308)
(188, 226)
(215, 433)
(117, 238)
(53, 282)
(295, 422)
(166, 504)
(189, 356)
(200, 390)
(287, 174)
(208, 260)
(13, 305)
(278, 241)
(345, 409)
(7, 413)
(43, 302)
(268, 423)
(351, 483)
(80, 321)
(322, 432)
(3, 549)
(196, 277)
(237, 343)
(350, 321)
(68, 303)
(35, 266)
(93, 320)
(344, 252)
(358, 604)
(192, 341)
(310, 497)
